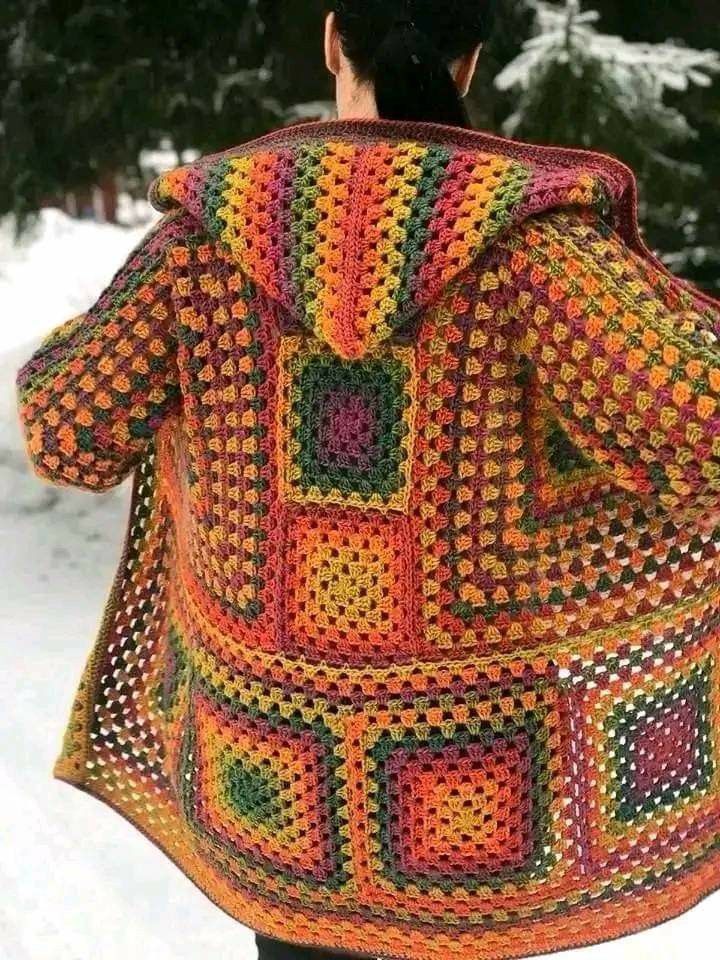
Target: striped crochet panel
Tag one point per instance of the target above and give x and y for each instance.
(353, 238)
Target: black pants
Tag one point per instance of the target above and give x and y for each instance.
(277, 950)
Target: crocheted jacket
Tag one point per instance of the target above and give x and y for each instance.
(413, 646)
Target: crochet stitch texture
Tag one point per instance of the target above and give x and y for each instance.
(412, 650)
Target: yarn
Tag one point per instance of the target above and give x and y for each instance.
(412, 650)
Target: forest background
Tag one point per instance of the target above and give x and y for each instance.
(87, 85)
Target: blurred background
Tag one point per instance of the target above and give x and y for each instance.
(96, 95)
(97, 98)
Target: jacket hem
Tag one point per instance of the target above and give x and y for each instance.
(362, 940)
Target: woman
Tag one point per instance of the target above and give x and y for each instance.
(413, 647)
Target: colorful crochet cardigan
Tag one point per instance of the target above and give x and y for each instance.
(412, 649)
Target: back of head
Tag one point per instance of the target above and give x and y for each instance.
(405, 49)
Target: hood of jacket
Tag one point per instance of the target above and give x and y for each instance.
(355, 226)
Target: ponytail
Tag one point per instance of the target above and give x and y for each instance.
(411, 80)
(405, 48)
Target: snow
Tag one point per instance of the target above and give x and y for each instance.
(55, 271)
(642, 72)
(79, 882)
(312, 110)
(164, 157)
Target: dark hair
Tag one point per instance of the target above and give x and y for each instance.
(405, 48)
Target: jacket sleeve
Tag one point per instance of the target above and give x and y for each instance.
(99, 385)
(627, 354)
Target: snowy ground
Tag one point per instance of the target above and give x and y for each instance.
(78, 883)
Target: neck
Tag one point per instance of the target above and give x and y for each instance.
(360, 105)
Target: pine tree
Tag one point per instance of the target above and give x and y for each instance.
(87, 84)
(576, 86)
